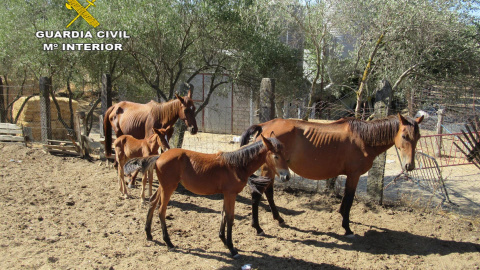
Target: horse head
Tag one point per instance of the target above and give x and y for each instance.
(406, 140)
(187, 112)
(162, 137)
(276, 157)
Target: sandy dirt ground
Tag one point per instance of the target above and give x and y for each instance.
(61, 212)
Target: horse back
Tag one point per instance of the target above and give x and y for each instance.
(317, 150)
(200, 173)
(130, 118)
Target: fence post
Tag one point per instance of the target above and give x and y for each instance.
(267, 100)
(3, 113)
(375, 178)
(440, 114)
(106, 97)
(45, 118)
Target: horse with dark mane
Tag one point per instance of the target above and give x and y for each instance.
(206, 174)
(347, 146)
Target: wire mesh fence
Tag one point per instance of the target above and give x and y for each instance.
(230, 111)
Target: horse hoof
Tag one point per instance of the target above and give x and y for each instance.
(236, 256)
(350, 236)
(262, 233)
(131, 186)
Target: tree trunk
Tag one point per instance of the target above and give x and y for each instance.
(267, 100)
(375, 179)
(3, 112)
(366, 72)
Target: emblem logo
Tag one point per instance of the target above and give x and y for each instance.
(82, 11)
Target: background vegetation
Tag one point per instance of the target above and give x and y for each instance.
(315, 49)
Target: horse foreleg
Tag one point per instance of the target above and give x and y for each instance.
(229, 206)
(150, 181)
(121, 179)
(223, 222)
(144, 182)
(271, 203)
(347, 201)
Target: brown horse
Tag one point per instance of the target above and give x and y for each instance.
(127, 147)
(137, 120)
(206, 174)
(347, 146)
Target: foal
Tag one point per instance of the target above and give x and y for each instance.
(127, 147)
(207, 174)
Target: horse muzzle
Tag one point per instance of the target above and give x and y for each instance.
(410, 166)
(192, 129)
(284, 175)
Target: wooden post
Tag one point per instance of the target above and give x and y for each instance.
(45, 118)
(81, 130)
(375, 178)
(267, 100)
(78, 131)
(3, 112)
(440, 114)
(106, 98)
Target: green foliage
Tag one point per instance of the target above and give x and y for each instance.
(425, 43)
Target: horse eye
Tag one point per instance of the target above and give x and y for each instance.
(404, 137)
(275, 156)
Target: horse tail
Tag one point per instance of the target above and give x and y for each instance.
(107, 132)
(143, 164)
(258, 184)
(245, 138)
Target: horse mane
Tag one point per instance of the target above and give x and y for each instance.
(377, 132)
(166, 110)
(242, 156)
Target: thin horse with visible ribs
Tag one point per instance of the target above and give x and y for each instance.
(205, 174)
(345, 147)
(137, 120)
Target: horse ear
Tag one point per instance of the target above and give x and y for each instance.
(419, 119)
(266, 142)
(402, 119)
(272, 134)
(180, 98)
(189, 93)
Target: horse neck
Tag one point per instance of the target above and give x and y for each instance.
(256, 162)
(377, 150)
(377, 136)
(152, 143)
(168, 112)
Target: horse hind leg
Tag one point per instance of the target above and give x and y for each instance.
(153, 205)
(131, 183)
(163, 210)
